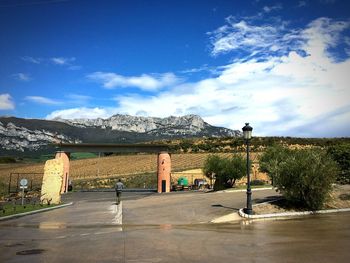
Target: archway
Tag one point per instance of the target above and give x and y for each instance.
(163, 159)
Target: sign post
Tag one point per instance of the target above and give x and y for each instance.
(23, 185)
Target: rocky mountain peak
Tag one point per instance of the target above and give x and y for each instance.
(140, 124)
(18, 134)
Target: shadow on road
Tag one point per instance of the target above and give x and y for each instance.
(219, 205)
(267, 199)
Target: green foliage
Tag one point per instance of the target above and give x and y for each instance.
(185, 145)
(271, 159)
(212, 165)
(341, 154)
(82, 155)
(226, 170)
(305, 177)
(7, 159)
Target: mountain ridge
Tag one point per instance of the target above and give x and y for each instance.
(22, 135)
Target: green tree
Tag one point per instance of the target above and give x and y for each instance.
(226, 170)
(305, 177)
(270, 161)
(341, 154)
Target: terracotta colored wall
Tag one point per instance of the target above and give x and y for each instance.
(65, 158)
(164, 170)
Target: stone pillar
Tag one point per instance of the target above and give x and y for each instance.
(52, 182)
(64, 156)
(164, 170)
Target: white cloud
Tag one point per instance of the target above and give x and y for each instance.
(22, 77)
(268, 9)
(76, 113)
(68, 62)
(299, 92)
(144, 82)
(42, 100)
(62, 60)
(245, 35)
(6, 102)
(31, 59)
(75, 67)
(322, 34)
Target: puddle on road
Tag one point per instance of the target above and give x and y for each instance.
(14, 245)
(30, 252)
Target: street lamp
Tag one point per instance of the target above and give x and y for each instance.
(247, 134)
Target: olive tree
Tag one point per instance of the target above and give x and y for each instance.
(305, 177)
(226, 170)
(341, 154)
(271, 159)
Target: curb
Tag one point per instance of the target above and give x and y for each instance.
(34, 212)
(245, 190)
(290, 214)
(126, 190)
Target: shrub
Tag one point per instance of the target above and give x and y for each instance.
(226, 170)
(271, 159)
(7, 159)
(305, 177)
(341, 154)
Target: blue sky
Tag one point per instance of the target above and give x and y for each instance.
(283, 66)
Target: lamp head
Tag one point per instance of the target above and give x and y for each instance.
(247, 131)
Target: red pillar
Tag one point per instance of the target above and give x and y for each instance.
(65, 157)
(164, 170)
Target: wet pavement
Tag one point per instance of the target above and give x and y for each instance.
(168, 228)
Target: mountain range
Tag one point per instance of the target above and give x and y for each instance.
(18, 135)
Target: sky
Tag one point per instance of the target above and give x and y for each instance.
(282, 66)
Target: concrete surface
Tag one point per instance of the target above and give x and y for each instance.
(167, 228)
(4, 218)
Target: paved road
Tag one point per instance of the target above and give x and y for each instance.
(158, 228)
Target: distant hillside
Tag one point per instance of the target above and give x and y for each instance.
(35, 136)
(237, 144)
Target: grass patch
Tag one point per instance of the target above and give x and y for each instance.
(9, 209)
(83, 155)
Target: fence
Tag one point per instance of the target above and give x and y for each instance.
(34, 181)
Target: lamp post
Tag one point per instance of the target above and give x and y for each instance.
(247, 134)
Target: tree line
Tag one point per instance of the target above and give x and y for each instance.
(304, 176)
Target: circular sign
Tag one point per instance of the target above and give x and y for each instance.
(23, 182)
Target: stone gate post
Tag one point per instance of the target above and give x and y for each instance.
(163, 172)
(64, 156)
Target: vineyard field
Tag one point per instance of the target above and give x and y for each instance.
(113, 166)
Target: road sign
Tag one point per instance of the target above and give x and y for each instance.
(23, 185)
(23, 182)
